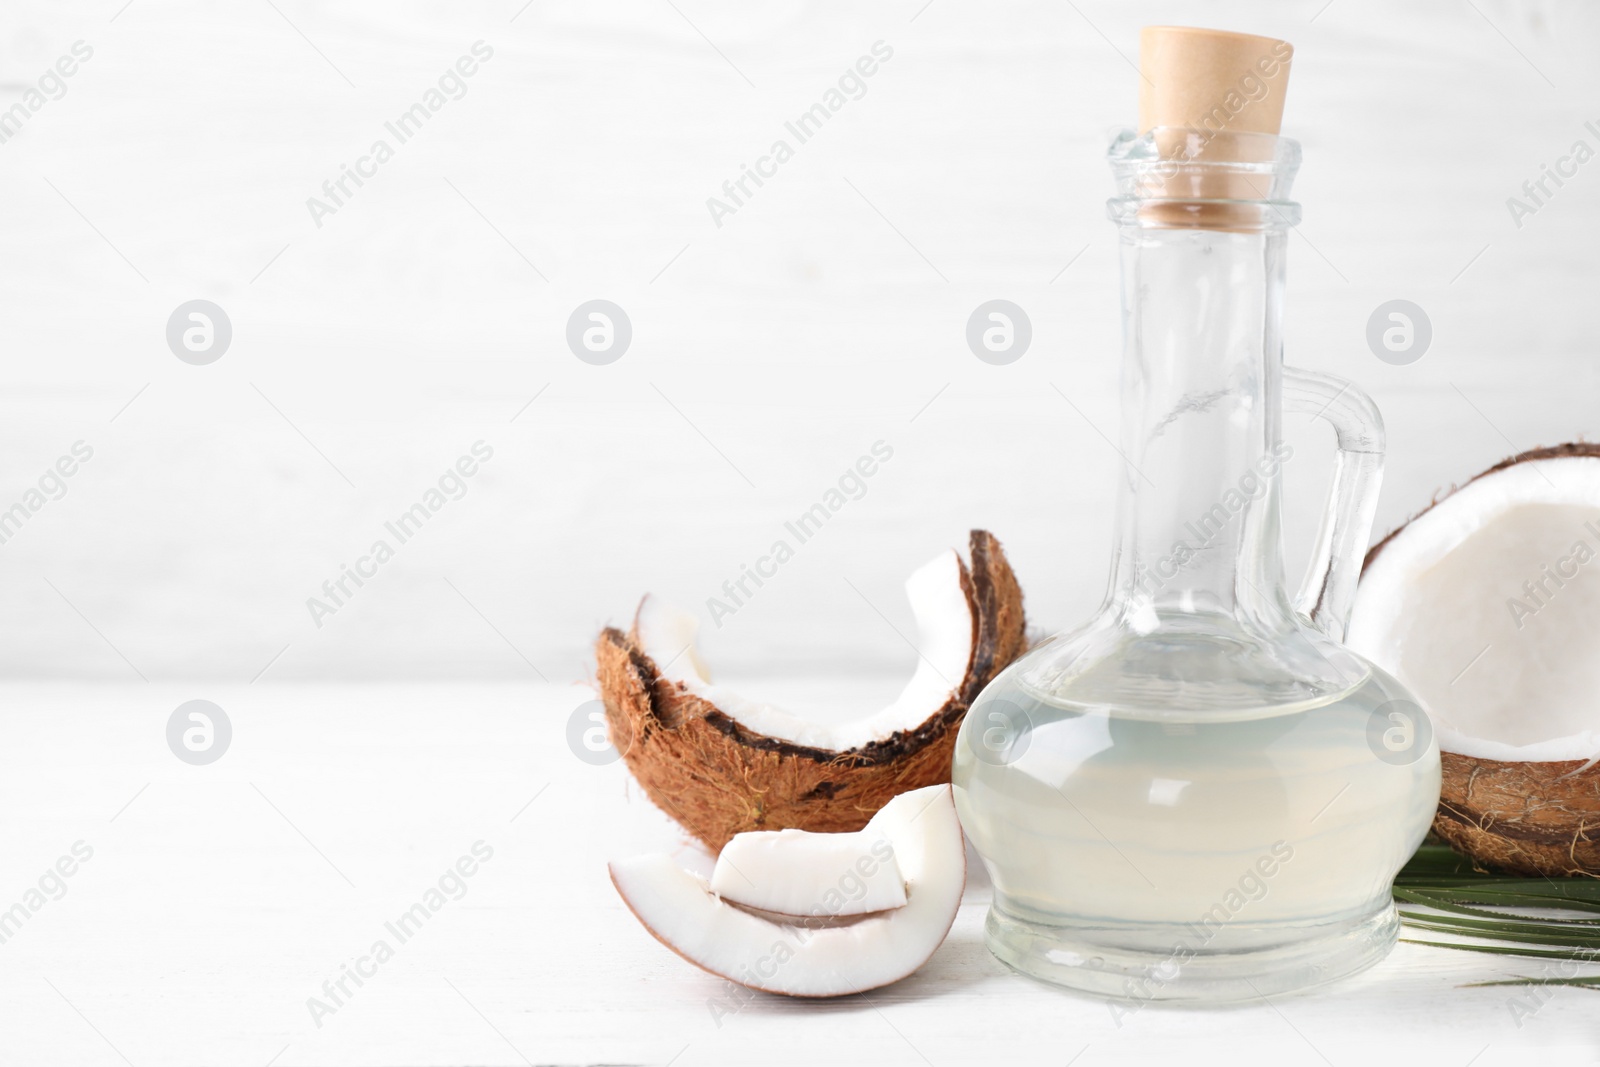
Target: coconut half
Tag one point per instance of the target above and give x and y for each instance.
(1487, 607)
(723, 763)
(795, 956)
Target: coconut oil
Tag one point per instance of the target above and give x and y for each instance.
(1173, 852)
(1200, 793)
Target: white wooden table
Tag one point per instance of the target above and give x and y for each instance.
(220, 898)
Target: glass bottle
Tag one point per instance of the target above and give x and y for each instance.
(1200, 794)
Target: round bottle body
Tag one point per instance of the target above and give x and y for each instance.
(1171, 853)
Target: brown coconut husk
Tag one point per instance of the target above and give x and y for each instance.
(718, 778)
(1521, 817)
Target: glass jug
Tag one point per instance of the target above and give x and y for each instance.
(1200, 794)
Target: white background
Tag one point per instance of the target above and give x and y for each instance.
(768, 354)
(792, 337)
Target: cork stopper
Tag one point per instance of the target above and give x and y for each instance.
(1210, 97)
(1212, 80)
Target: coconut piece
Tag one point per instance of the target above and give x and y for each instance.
(798, 958)
(797, 872)
(721, 763)
(1487, 606)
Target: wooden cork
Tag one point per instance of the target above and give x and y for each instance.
(1208, 95)
(1212, 80)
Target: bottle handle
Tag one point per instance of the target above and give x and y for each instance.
(1328, 593)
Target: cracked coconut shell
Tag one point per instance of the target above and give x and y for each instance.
(721, 765)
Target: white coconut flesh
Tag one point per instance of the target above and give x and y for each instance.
(946, 631)
(787, 957)
(796, 872)
(1487, 607)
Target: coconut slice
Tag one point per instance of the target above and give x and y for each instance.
(1487, 606)
(800, 959)
(797, 872)
(723, 763)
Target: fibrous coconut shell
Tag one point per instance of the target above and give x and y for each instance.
(1522, 818)
(717, 777)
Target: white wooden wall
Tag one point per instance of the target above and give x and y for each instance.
(768, 353)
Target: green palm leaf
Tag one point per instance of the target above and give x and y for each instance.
(1530, 912)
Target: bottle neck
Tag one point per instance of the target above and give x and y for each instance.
(1202, 370)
